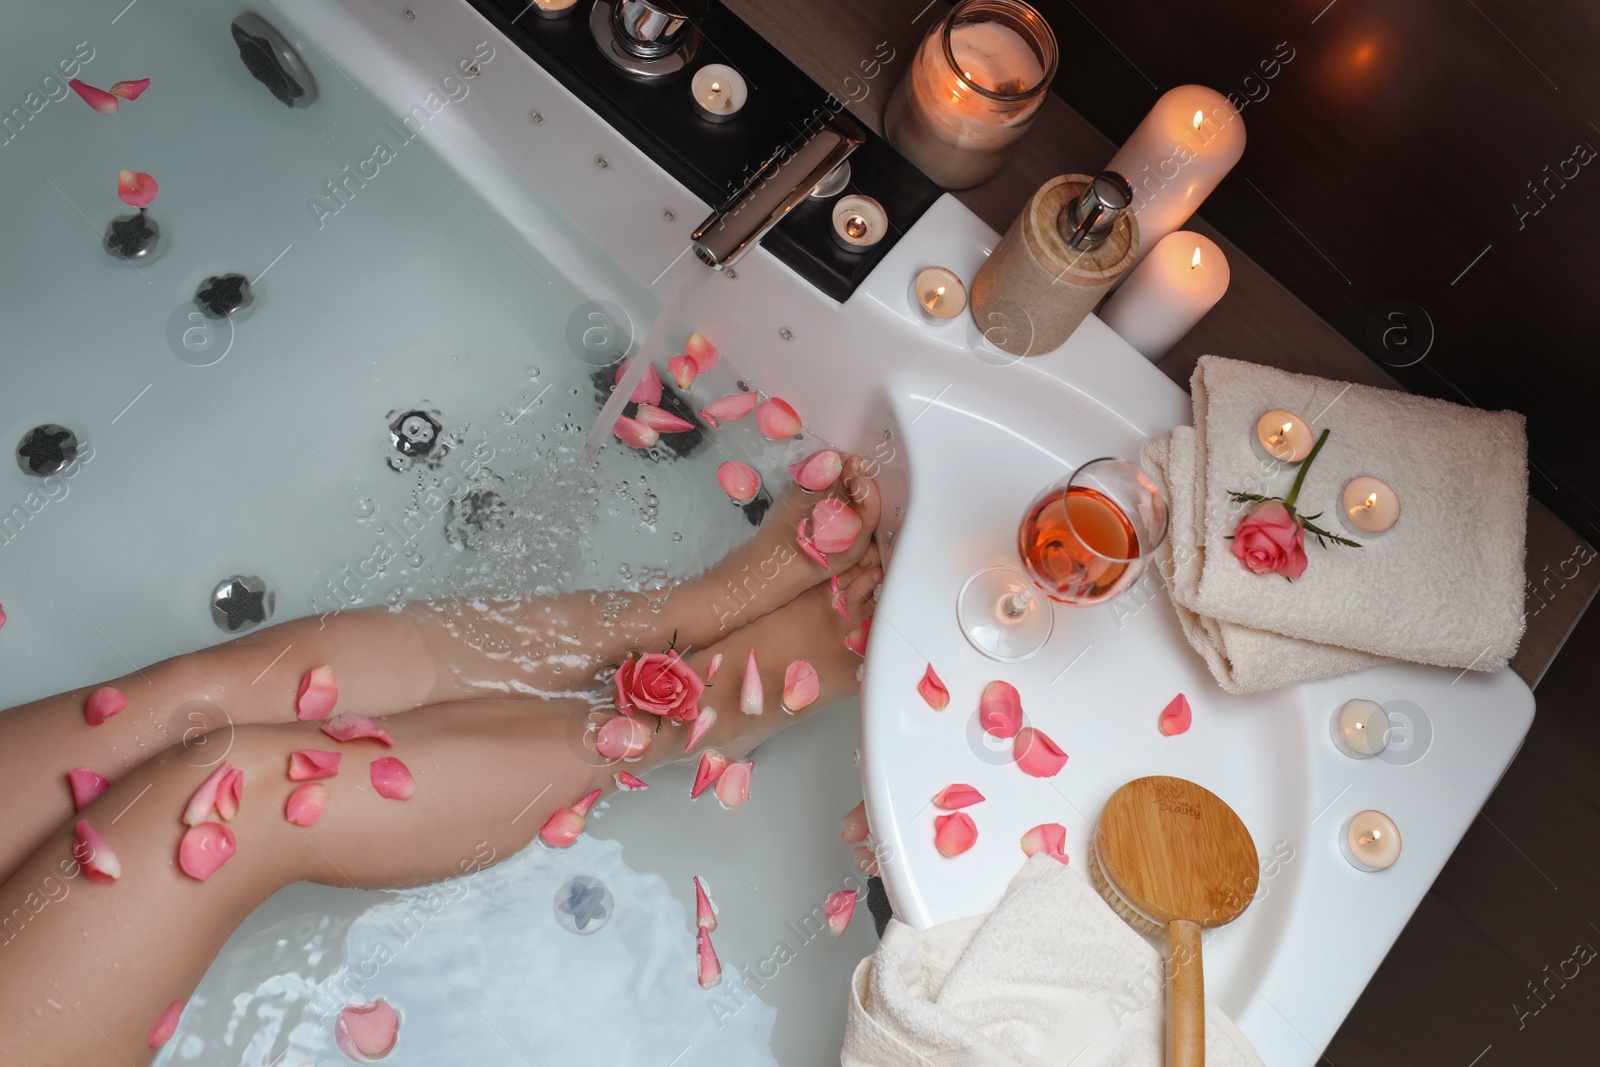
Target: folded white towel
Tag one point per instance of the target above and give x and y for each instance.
(1444, 586)
(1051, 977)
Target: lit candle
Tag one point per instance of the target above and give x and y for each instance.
(1181, 279)
(1361, 728)
(719, 92)
(1368, 506)
(938, 294)
(1371, 841)
(1283, 436)
(553, 9)
(1176, 156)
(859, 222)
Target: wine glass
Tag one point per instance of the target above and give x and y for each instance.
(1083, 541)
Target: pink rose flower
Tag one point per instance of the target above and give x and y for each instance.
(1269, 540)
(659, 683)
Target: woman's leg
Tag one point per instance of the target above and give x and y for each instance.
(86, 968)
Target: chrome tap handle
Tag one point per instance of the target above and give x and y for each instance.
(653, 28)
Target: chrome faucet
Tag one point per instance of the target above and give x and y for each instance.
(775, 189)
(648, 38)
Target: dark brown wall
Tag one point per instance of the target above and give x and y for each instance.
(1397, 145)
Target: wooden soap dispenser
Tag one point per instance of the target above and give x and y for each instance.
(1069, 245)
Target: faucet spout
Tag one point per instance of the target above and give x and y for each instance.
(775, 189)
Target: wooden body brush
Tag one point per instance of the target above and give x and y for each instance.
(1169, 854)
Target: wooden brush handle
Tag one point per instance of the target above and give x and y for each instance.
(1186, 996)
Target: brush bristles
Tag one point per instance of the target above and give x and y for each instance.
(1109, 894)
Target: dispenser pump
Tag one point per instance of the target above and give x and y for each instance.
(1088, 220)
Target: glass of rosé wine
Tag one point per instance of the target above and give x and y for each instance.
(1083, 541)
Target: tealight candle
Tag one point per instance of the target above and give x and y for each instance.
(1181, 279)
(553, 9)
(1371, 841)
(1283, 436)
(719, 92)
(938, 294)
(1361, 728)
(1176, 156)
(1368, 507)
(859, 222)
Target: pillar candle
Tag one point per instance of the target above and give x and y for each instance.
(1180, 280)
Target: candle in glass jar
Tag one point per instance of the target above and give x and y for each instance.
(1361, 728)
(719, 92)
(1371, 841)
(1368, 506)
(1283, 436)
(938, 295)
(1176, 156)
(1181, 279)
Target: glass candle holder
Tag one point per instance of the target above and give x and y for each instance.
(978, 79)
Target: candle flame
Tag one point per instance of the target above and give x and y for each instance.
(1199, 118)
(939, 291)
(855, 226)
(1195, 262)
(716, 87)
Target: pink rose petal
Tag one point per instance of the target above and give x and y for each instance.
(817, 471)
(305, 804)
(166, 1023)
(683, 371)
(98, 99)
(622, 737)
(956, 796)
(857, 640)
(801, 687)
(2, 617)
(834, 525)
(230, 792)
(130, 90)
(854, 829)
(629, 783)
(204, 800)
(933, 690)
(866, 860)
(352, 725)
(1036, 754)
(705, 912)
(837, 598)
(204, 848)
(308, 763)
(777, 420)
(733, 785)
(319, 691)
(634, 433)
(94, 856)
(584, 803)
(703, 352)
(739, 480)
(1176, 717)
(562, 828)
(711, 667)
(86, 786)
(1000, 709)
(803, 539)
(752, 697)
(648, 391)
(712, 766)
(367, 1032)
(1049, 838)
(699, 726)
(954, 833)
(136, 188)
(731, 408)
(391, 778)
(103, 703)
(838, 908)
(661, 421)
(707, 968)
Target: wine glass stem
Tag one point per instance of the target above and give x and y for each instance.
(1017, 604)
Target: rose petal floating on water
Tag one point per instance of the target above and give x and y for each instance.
(166, 1023)
(622, 738)
(230, 793)
(817, 471)
(739, 480)
(1000, 709)
(802, 538)
(733, 785)
(367, 1032)
(1036, 754)
(838, 908)
(319, 692)
(857, 640)
(1049, 838)
(95, 858)
(351, 725)
(834, 526)
(699, 726)
(752, 698)
(2, 617)
(634, 434)
(391, 778)
(801, 687)
(712, 765)
(933, 690)
(648, 391)
(136, 188)
(629, 783)
(103, 703)
(204, 848)
(86, 786)
(731, 408)
(1176, 717)
(204, 800)
(562, 828)
(586, 802)
(98, 99)
(683, 371)
(954, 833)
(130, 90)
(308, 763)
(705, 912)
(959, 795)
(777, 420)
(660, 420)
(866, 860)
(305, 804)
(713, 665)
(707, 968)
(837, 598)
(702, 351)
(854, 829)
